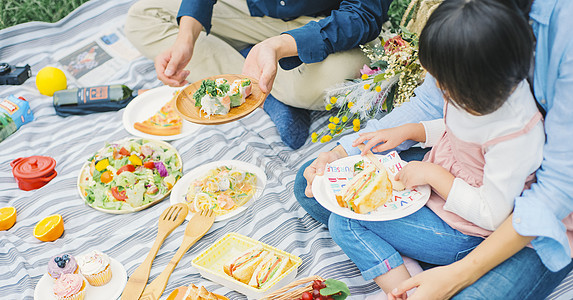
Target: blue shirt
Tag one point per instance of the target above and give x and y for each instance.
(347, 23)
(539, 210)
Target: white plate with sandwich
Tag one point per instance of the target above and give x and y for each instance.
(352, 187)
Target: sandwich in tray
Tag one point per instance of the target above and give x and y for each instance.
(257, 267)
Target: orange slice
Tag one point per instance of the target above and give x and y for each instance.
(49, 229)
(7, 217)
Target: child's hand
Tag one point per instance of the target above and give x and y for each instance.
(386, 139)
(415, 173)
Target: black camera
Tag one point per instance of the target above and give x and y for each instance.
(14, 75)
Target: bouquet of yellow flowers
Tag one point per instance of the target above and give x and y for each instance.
(389, 81)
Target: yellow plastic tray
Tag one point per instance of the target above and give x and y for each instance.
(210, 264)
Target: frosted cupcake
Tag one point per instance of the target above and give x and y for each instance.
(62, 264)
(70, 287)
(95, 268)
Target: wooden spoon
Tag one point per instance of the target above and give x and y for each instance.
(172, 217)
(198, 225)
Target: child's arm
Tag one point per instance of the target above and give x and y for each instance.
(417, 173)
(386, 139)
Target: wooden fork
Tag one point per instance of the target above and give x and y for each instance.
(172, 217)
(198, 226)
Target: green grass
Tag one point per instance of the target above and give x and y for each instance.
(14, 12)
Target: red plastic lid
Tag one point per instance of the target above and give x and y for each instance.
(33, 167)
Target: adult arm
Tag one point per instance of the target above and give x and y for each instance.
(192, 17)
(540, 210)
(444, 282)
(353, 23)
(170, 63)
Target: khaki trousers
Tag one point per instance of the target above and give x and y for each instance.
(152, 28)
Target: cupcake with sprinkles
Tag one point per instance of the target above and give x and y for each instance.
(70, 287)
(95, 267)
(62, 264)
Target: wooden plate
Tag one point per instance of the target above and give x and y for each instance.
(185, 104)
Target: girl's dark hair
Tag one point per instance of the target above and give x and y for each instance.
(478, 51)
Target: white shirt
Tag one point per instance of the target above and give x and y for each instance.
(507, 163)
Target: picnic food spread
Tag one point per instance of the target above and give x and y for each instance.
(165, 122)
(221, 189)
(217, 97)
(129, 174)
(367, 191)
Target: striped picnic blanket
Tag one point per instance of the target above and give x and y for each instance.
(275, 218)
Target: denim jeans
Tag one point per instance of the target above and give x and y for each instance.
(521, 277)
(375, 246)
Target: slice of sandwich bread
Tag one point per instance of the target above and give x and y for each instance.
(366, 191)
(270, 268)
(244, 265)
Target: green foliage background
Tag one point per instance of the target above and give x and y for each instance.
(396, 11)
(14, 12)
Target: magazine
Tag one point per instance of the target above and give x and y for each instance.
(95, 61)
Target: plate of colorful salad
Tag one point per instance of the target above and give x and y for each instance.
(227, 187)
(129, 175)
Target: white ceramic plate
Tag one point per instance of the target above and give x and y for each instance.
(85, 171)
(146, 105)
(403, 203)
(180, 189)
(110, 291)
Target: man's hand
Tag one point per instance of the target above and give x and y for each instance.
(391, 137)
(433, 284)
(262, 61)
(170, 64)
(316, 168)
